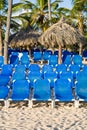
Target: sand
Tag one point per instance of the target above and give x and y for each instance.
(41, 117)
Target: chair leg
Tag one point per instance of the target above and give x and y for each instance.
(30, 103)
(76, 103)
(53, 103)
(6, 103)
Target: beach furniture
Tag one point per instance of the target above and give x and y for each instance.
(34, 67)
(51, 76)
(53, 60)
(7, 69)
(1, 61)
(41, 91)
(74, 69)
(4, 80)
(33, 76)
(46, 55)
(20, 68)
(61, 68)
(63, 91)
(25, 60)
(81, 89)
(46, 68)
(77, 60)
(68, 60)
(20, 91)
(18, 75)
(66, 75)
(14, 59)
(4, 92)
(37, 56)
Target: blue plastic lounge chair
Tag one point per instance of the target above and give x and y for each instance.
(7, 69)
(18, 76)
(53, 60)
(20, 91)
(1, 61)
(4, 91)
(66, 75)
(63, 90)
(77, 60)
(25, 60)
(61, 68)
(46, 68)
(34, 67)
(20, 68)
(52, 77)
(32, 76)
(14, 59)
(68, 60)
(74, 69)
(37, 56)
(4, 80)
(41, 90)
(46, 55)
(81, 90)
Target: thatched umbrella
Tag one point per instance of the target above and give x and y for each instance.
(26, 37)
(60, 34)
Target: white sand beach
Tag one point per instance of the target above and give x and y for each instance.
(42, 117)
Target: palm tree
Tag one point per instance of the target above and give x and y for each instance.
(3, 6)
(7, 32)
(79, 10)
(36, 14)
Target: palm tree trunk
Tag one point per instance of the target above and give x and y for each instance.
(60, 54)
(80, 27)
(7, 32)
(1, 39)
(49, 9)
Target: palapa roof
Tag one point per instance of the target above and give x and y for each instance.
(26, 37)
(60, 33)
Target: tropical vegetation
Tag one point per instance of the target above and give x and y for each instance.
(36, 16)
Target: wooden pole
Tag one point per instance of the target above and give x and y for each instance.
(60, 54)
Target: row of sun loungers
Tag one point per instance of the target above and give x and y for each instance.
(23, 81)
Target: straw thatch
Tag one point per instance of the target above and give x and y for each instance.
(60, 34)
(26, 37)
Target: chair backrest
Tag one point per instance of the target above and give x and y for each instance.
(53, 60)
(61, 68)
(4, 90)
(63, 90)
(37, 56)
(1, 60)
(32, 76)
(68, 60)
(81, 75)
(46, 55)
(51, 76)
(81, 89)
(20, 68)
(14, 59)
(4, 80)
(66, 75)
(46, 68)
(20, 89)
(25, 60)
(74, 69)
(7, 69)
(18, 76)
(77, 59)
(34, 67)
(42, 89)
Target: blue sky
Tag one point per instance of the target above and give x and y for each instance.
(66, 3)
